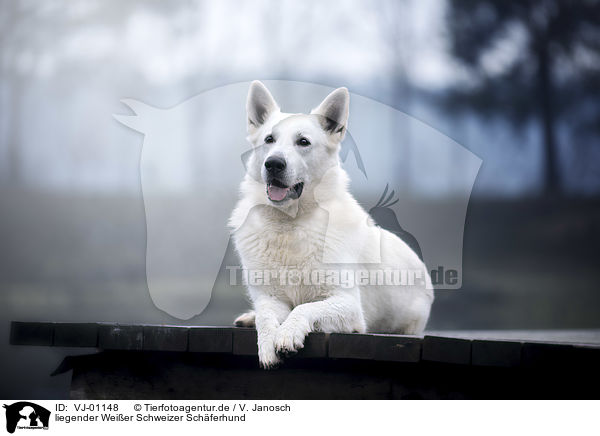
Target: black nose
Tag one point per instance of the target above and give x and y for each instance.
(275, 164)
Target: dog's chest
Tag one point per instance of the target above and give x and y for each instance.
(266, 244)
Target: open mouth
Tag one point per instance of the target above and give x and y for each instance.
(278, 192)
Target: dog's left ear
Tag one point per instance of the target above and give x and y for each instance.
(333, 112)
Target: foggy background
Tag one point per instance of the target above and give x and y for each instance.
(516, 83)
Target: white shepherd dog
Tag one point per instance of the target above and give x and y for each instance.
(295, 213)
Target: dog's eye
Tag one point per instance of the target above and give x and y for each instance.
(303, 142)
(269, 139)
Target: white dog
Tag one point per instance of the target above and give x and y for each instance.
(296, 214)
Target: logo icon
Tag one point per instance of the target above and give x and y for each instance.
(26, 415)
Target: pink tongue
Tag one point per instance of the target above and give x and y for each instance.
(277, 194)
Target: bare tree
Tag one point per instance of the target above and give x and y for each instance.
(557, 55)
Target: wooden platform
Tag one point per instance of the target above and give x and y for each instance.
(160, 361)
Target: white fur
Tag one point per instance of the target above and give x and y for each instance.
(325, 228)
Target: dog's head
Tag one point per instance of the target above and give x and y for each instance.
(292, 152)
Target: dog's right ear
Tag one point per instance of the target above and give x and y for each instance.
(259, 106)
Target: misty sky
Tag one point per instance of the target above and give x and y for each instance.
(76, 61)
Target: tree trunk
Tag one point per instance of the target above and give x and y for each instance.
(552, 185)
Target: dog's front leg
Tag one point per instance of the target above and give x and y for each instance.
(270, 313)
(340, 313)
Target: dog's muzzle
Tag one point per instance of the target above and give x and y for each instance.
(278, 192)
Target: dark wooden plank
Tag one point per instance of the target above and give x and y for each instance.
(211, 339)
(481, 348)
(315, 345)
(540, 355)
(397, 348)
(165, 338)
(351, 346)
(75, 335)
(120, 337)
(31, 333)
(574, 336)
(496, 353)
(245, 341)
(447, 350)
(587, 355)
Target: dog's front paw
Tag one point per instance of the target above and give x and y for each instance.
(290, 335)
(267, 357)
